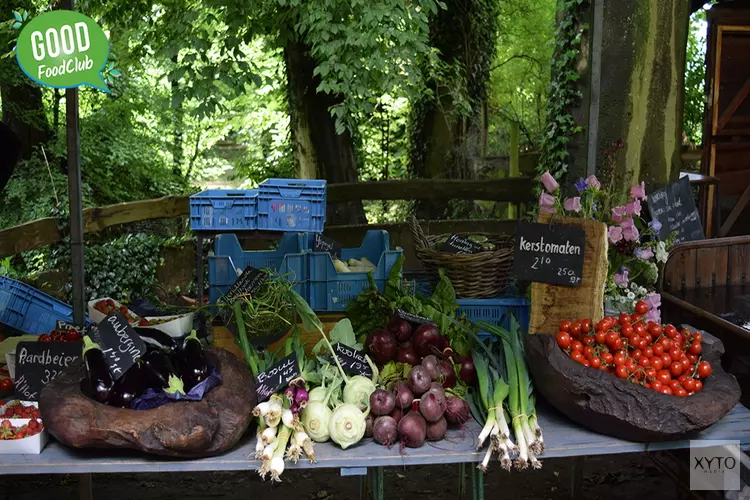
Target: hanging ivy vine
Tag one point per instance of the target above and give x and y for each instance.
(564, 92)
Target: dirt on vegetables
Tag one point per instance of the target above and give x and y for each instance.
(613, 477)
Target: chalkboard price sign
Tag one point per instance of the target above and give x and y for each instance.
(323, 244)
(459, 244)
(674, 207)
(549, 253)
(277, 377)
(38, 363)
(248, 282)
(119, 342)
(352, 361)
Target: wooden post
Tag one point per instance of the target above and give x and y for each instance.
(551, 304)
(513, 169)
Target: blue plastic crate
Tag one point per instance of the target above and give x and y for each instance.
(294, 205)
(331, 291)
(288, 259)
(28, 310)
(492, 310)
(224, 210)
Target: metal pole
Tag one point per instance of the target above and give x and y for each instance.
(74, 195)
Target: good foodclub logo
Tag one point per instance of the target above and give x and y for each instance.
(715, 465)
(63, 49)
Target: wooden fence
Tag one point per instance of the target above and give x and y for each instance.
(44, 232)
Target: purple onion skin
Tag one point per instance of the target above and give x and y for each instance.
(431, 365)
(290, 393)
(382, 402)
(457, 410)
(404, 396)
(447, 373)
(400, 329)
(419, 380)
(436, 430)
(382, 346)
(369, 421)
(385, 430)
(413, 430)
(432, 407)
(427, 340)
(301, 397)
(406, 354)
(397, 414)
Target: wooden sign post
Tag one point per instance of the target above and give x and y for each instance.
(552, 304)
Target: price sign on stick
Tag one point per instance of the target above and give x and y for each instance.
(352, 361)
(459, 244)
(549, 253)
(277, 377)
(674, 207)
(248, 282)
(119, 342)
(323, 244)
(38, 363)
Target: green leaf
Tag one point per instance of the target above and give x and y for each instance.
(115, 72)
(25, 15)
(18, 16)
(309, 319)
(16, 25)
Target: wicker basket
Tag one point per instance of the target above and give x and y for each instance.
(481, 275)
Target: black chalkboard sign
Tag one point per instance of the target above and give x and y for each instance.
(277, 377)
(64, 326)
(549, 253)
(247, 283)
(352, 361)
(674, 207)
(323, 244)
(459, 244)
(119, 342)
(413, 318)
(38, 363)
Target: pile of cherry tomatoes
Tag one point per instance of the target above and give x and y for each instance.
(657, 357)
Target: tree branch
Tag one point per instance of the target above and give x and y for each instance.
(517, 56)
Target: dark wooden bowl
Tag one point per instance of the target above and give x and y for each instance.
(179, 429)
(613, 406)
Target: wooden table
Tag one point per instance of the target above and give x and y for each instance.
(563, 438)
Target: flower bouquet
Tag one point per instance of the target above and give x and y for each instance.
(635, 253)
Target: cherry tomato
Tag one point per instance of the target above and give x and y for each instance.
(630, 364)
(586, 363)
(666, 390)
(663, 376)
(619, 359)
(6, 384)
(565, 326)
(636, 354)
(586, 323)
(585, 329)
(675, 368)
(675, 353)
(563, 340)
(634, 339)
(641, 307)
(658, 349)
(604, 368)
(654, 329)
(626, 330)
(621, 372)
(656, 363)
(607, 358)
(693, 358)
(45, 338)
(695, 348)
(575, 329)
(617, 344)
(639, 329)
(656, 385)
(595, 362)
(667, 343)
(588, 351)
(612, 337)
(644, 362)
(675, 384)
(697, 337)
(644, 342)
(704, 369)
(601, 337)
(670, 331)
(684, 376)
(666, 359)
(686, 333)
(680, 392)
(698, 385)
(635, 318)
(624, 319)
(576, 346)
(689, 384)
(577, 356)
(651, 375)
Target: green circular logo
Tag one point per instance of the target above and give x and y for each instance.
(63, 49)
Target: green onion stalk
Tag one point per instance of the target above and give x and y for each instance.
(492, 393)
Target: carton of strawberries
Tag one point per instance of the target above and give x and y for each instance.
(21, 428)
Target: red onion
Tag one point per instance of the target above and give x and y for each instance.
(382, 346)
(406, 354)
(427, 340)
(400, 329)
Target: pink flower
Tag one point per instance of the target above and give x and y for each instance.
(618, 213)
(592, 181)
(547, 203)
(550, 184)
(615, 234)
(621, 278)
(653, 315)
(573, 204)
(638, 192)
(653, 300)
(633, 208)
(629, 231)
(644, 253)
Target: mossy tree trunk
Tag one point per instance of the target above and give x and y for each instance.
(642, 87)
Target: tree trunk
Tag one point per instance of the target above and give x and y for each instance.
(447, 132)
(642, 85)
(318, 150)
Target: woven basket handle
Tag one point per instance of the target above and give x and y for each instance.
(420, 240)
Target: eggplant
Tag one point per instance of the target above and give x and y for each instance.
(193, 367)
(97, 372)
(153, 336)
(129, 386)
(162, 373)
